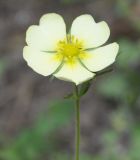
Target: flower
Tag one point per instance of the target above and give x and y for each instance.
(72, 57)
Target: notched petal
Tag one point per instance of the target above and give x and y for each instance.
(93, 34)
(45, 37)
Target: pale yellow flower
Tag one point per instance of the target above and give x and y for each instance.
(72, 57)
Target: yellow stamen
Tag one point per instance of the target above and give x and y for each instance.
(70, 50)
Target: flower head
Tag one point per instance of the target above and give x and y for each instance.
(72, 57)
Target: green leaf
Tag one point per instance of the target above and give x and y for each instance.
(84, 88)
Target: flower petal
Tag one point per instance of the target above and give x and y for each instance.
(102, 57)
(41, 62)
(76, 73)
(93, 34)
(44, 37)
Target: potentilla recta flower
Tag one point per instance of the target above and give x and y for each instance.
(73, 56)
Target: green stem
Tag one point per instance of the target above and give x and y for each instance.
(77, 126)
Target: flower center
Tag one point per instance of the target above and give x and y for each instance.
(70, 49)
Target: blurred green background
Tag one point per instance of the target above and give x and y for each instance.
(35, 122)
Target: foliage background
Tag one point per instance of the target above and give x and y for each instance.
(35, 123)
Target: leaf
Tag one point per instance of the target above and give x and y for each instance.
(84, 88)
